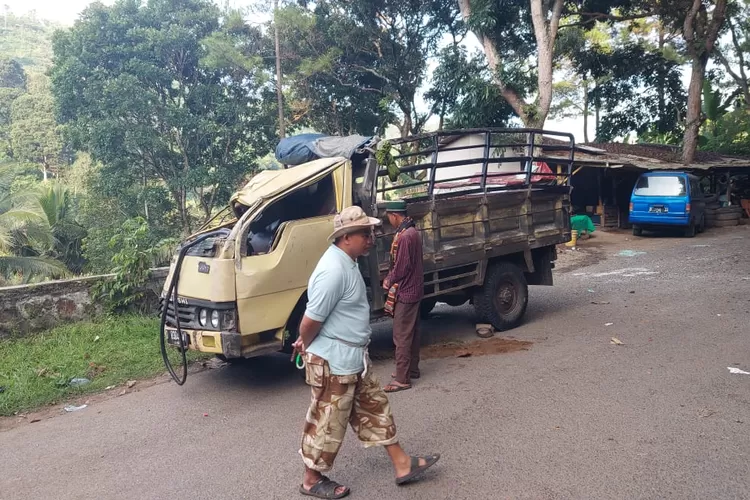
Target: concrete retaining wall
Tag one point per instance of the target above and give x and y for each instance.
(28, 309)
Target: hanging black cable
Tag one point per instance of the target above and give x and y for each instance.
(172, 296)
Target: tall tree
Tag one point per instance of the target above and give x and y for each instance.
(734, 53)
(637, 90)
(34, 133)
(375, 51)
(319, 50)
(462, 93)
(701, 30)
(137, 89)
(519, 38)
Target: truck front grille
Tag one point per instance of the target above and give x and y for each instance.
(186, 313)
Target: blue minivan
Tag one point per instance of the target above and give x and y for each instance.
(668, 199)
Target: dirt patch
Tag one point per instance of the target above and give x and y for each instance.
(592, 250)
(483, 347)
(480, 347)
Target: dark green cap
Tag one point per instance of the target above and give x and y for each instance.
(395, 206)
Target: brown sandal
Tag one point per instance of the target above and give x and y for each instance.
(393, 387)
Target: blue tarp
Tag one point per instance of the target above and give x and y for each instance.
(302, 148)
(297, 149)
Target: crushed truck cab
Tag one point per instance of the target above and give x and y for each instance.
(491, 206)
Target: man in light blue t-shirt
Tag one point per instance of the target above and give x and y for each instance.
(333, 338)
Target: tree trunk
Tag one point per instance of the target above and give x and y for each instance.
(494, 62)
(545, 32)
(597, 113)
(661, 86)
(694, 119)
(279, 93)
(180, 197)
(408, 125)
(700, 37)
(585, 111)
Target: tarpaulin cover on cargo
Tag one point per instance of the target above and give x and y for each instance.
(299, 149)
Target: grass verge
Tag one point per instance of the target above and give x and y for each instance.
(37, 370)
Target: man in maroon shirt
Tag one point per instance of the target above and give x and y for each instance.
(405, 286)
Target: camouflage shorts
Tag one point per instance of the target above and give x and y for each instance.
(338, 400)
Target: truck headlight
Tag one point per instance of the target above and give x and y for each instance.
(203, 317)
(215, 319)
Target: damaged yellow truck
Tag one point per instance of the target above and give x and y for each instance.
(491, 206)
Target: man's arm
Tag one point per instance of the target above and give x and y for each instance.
(324, 292)
(309, 329)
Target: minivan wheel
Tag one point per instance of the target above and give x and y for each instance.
(690, 230)
(637, 231)
(702, 225)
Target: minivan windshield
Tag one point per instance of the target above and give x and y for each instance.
(661, 185)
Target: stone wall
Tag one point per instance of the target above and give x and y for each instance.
(32, 308)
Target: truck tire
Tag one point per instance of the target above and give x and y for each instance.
(637, 230)
(726, 223)
(727, 216)
(426, 307)
(503, 298)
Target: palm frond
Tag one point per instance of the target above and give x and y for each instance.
(6, 239)
(54, 201)
(31, 267)
(21, 216)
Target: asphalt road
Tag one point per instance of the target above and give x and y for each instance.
(574, 416)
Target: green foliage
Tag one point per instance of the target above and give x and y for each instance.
(135, 255)
(139, 89)
(60, 210)
(26, 238)
(12, 75)
(637, 90)
(462, 93)
(26, 39)
(733, 52)
(355, 67)
(726, 128)
(34, 134)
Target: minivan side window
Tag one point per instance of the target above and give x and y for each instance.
(661, 185)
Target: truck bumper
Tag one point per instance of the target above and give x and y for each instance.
(229, 344)
(644, 219)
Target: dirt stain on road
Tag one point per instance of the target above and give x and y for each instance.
(494, 345)
(480, 347)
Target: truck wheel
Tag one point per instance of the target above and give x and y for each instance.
(637, 231)
(426, 307)
(503, 299)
